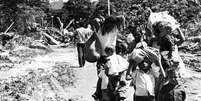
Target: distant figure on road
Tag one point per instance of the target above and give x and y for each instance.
(82, 34)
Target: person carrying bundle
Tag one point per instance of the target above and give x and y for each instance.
(145, 77)
(168, 36)
(83, 34)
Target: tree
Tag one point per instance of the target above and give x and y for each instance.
(22, 12)
(136, 14)
(80, 10)
(28, 17)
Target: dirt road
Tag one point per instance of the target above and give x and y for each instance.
(85, 77)
(87, 80)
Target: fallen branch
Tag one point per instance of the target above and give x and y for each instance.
(9, 27)
(55, 42)
(189, 47)
(55, 30)
(193, 45)
(194, 38)
(69, 24)
(61, 24)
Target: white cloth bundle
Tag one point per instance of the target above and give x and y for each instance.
(117, 64)
(139, 54)
(162, 17)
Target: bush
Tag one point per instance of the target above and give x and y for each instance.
(136, 14)
(24, 14)
(34, 83)
(18, 40)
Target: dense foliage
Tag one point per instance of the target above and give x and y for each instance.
(25, 12)
(80, 10)
(22, 13)
(136, 14)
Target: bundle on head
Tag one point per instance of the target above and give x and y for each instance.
(139, 54)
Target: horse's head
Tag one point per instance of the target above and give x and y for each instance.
(111, 23)
(96, 24)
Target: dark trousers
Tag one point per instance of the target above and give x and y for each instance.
(144, 98)
(80, 49)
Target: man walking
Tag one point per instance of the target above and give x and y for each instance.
(83, 34)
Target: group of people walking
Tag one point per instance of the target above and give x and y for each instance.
(152, 68)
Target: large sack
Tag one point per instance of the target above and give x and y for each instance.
(92, 49)
(139, 54)
(117, 64)
(156, 17)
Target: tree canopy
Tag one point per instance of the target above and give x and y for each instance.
(19, 11)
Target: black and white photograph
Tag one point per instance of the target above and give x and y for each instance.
(100, 50)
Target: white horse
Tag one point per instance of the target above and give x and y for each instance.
(105, 35)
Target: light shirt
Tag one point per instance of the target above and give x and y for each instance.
(83, 34)
(117, 64)
(109, 39)
(144, 82)
(104, 78)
